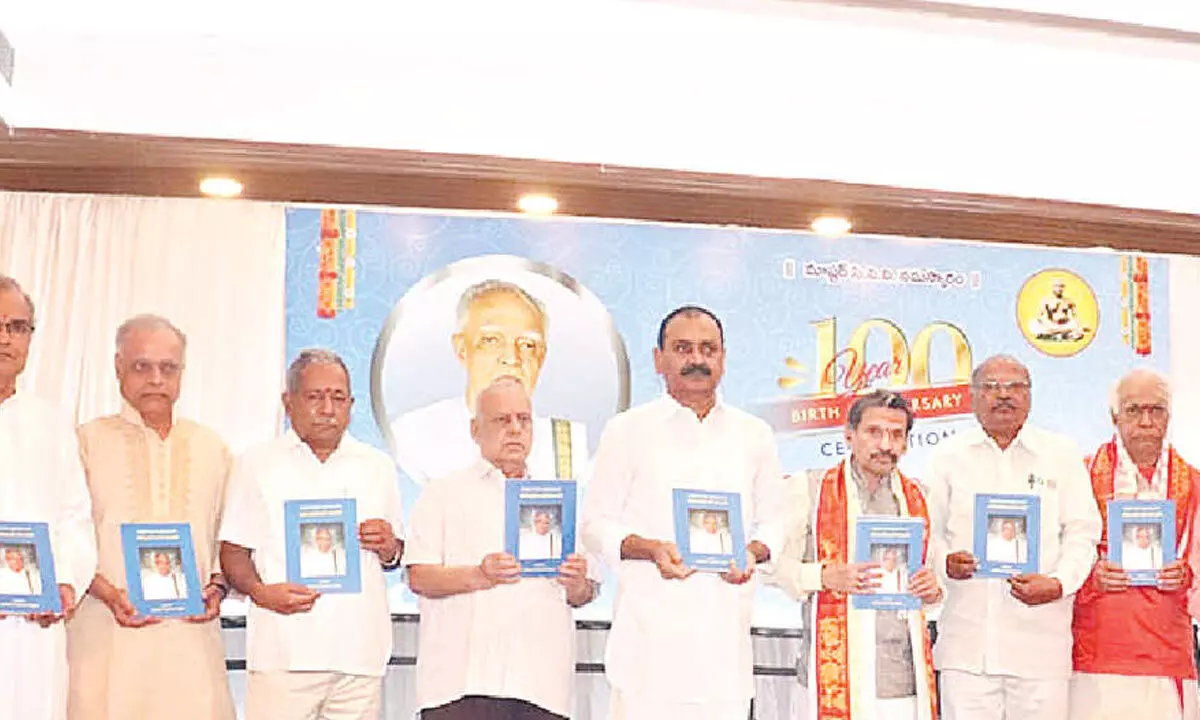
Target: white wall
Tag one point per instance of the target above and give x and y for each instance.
(760, 87)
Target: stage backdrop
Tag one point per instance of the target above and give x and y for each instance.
(808, 321)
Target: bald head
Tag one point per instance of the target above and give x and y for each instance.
(1141, 412)
(1001, 398)
(503, 425)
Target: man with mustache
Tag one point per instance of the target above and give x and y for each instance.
(146, 464)
(1133, 645)
(1004, 645)
(313, 656)
(41, 481)
(892, 649)
(680, 640)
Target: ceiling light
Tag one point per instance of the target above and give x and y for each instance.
(831, 225)
(537, 204)
(220, 187)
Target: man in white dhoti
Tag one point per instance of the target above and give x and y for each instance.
(708, 539)
(321, 558)
(40, 481)
(1004, 644)
(501, 332)
(1140, 552)
(163, 582)
(1006, 546)
(15, 577)
(539, 542)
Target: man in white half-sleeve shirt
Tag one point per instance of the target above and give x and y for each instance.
(680, 641)
(1004, 645)
(41, 480)
(492, 644)
(312, 656)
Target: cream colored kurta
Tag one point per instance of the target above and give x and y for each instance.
(174, 668)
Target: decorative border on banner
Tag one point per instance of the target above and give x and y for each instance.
(338, 248)
(1135, 303)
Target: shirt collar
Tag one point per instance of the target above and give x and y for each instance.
(672, 408)
(345, 446)
(488, 471)
(1027, 437)
(130, 415)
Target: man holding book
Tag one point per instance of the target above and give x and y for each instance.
(1133, 645)
(1004, 643)
(313, 656)
(145, 464)
(40, 481)
(886, 652)
(492, 644)
(680, 641)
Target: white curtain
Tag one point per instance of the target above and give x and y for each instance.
(213, 267)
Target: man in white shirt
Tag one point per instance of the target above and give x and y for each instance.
(1006, 546)
(708, 538)
(321, 558)
(163, 582)
(15, 577)
(1004, 645)
(492, 644)
(680, 640)
(501, 332)
(41, 481)
(539, 542)
(893, 574)
(1140, 552)
(313, 656)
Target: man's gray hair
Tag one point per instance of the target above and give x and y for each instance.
(498, 382)
(313, 356)
(1143, 373)
(494, 287)
(148, 322)
(9, 284)
(977, 373)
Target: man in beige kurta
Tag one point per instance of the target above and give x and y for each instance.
(143, 465)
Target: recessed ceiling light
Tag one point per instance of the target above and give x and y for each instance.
(220, 187)
(537, 204)
(831, 225)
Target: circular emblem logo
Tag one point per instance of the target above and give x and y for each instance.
(1057, 312)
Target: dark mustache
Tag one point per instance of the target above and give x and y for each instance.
(886, 454)
(696, 368)
(1004, 404)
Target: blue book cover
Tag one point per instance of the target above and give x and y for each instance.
(1008, 531)
(322, 544)
(160, 569)
(28, 584)
(1141, 537)
(539, 524)
(708, 529)
(896, 543)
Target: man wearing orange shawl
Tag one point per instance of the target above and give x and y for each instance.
(862, 664)
(1133, 645)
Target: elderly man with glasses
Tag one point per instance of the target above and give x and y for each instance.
(1004, 645)
(1133, 645)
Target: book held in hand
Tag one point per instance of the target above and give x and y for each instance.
(160, 569)
(896, 543)
(1008, 531)
(322, 544)
(708, 529)
(539, 524)
(27, 581)
(1141, 538)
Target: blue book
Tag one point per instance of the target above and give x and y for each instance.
(28, 584)
(896, 543)
(1141, 537)
(539, 524)
(1008, 531)
(322, 544)
(160, 569)
(708, 529)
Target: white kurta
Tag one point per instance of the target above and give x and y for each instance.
(42, 482)
(705, 543)
(348, 633)
(24, 582)
(316, 564)
(983, 629)
(171, 586)
(680, 641)
(532, 546)
(435, 441)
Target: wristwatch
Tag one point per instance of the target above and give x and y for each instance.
(395, 561)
